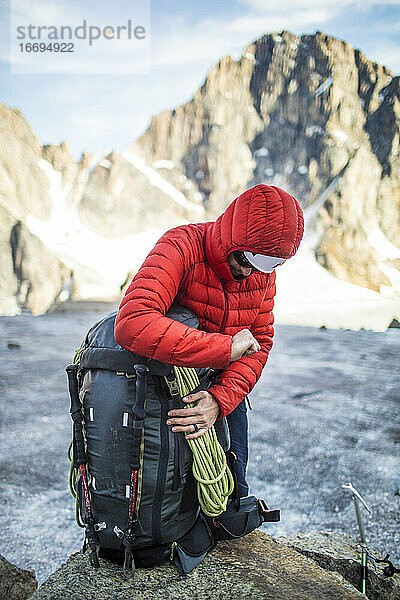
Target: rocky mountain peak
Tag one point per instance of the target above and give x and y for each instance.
(310, 114)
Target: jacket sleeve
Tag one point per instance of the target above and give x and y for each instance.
(141, 325)
(239, 378)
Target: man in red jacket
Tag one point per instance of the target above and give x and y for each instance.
(224, 272)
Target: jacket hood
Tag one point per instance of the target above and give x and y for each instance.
(264, 220)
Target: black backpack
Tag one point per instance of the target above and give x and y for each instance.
(136, 494)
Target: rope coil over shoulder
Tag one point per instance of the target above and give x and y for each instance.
(214, 479)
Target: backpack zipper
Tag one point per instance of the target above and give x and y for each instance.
(172, 552)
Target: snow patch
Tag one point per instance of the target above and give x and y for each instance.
(311, 237)
(250, 57)
(105, 262)
(339, 134)
(261, 152)
(104, 163)
(307, 294)
(324, 86)
(288, 170)
(94, 159)
(158, 181)
(313, 129)
(382, 245)
(394, 277)
(386, 251)
(163, 164)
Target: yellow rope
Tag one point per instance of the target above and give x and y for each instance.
(214, 479)
(73, 474)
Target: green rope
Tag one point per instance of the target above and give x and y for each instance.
(73, 471)
(214, 479)
(73, 474)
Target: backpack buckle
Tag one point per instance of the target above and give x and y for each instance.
(127, 375)
(172, 385)
(118, 532)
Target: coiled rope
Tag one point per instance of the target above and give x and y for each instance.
(214, 479)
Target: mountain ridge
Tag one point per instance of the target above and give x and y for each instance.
(308, 113)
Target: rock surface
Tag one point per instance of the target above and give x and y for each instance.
(341, 553)
(254, 567)
(31, 276)
(394, 324)
(15, 583)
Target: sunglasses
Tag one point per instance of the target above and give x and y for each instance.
(240, 258)
(257, 262)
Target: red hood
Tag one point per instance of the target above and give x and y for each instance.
(264, 219)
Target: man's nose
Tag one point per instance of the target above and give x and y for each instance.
(246, 271)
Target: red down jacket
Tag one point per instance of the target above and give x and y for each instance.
(189, 265)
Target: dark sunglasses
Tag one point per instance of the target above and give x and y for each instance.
(240, 258)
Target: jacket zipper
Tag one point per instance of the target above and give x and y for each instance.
(162, 468)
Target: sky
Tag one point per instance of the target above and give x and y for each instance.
(97, 112)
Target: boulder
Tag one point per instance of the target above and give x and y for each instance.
(340, 552)
(255, 567)
(394, 324)
(15, 583)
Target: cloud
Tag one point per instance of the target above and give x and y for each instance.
(262, 6)
(176, 43)
(387, 53)
(41, 12)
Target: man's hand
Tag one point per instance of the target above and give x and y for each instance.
(204, 415)
(243, 344)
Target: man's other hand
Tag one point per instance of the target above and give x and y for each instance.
(243, 344)
(203, 415)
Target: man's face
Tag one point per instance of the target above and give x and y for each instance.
(238, 271)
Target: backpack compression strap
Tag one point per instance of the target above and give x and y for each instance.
(80, 460)
(142, 372)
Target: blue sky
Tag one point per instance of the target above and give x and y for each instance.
(95, 112)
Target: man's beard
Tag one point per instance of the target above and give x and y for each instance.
(237, 275)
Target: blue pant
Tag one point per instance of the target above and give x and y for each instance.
(238, 429)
